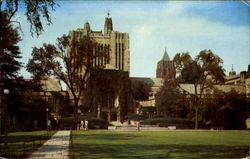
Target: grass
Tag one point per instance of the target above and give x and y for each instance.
(22, 144)
(160, 145)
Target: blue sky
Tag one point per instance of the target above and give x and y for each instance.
(179, 26)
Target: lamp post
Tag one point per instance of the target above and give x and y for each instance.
(6, 92)
(47, 117)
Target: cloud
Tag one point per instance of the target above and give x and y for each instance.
(152, 26)
(180, 31)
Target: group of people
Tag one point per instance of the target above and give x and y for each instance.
(84, 125)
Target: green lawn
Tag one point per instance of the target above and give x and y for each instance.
(160, 145)
(21, 144)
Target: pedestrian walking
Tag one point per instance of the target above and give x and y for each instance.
(138, 125)
(49, 125)
(81, 125)
(86, 124)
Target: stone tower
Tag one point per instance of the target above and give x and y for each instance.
(165, 67)
(108, 26)
(116, 42)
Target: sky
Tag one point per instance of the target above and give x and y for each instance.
(178, 26)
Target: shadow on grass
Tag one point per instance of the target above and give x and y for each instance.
(20, 146)
(107, 136)
(141, 151)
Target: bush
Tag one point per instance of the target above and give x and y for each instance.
(180, 123)
(93, 123)
(67, 123)
(136, 117)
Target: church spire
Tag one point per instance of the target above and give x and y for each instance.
(87, 27)
(165, 56)
(108, 26)
(108, 13)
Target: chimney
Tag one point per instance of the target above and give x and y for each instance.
(243, 75)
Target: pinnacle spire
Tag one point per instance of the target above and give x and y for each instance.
(108, 26)
(108, 12)
(165, 56)
(232, 72)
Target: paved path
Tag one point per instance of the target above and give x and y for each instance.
(56, 147)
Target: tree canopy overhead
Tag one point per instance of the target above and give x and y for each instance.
(34, 10)
(9, 51)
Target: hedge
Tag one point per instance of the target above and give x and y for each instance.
(180, 123)
(93, 123)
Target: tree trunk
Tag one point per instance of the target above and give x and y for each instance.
(98, 111)
(76, 113)
(109, 115)
(196, 118)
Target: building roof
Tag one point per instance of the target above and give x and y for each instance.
(51, 85)
(158, 82)
(232, 77)
(165, 56)
(225, 88)
(153, 82)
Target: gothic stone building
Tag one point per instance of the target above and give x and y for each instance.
(115, 63)
(116, 42)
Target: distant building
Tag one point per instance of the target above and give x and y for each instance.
(165, 67)
(238, 82)
(116, 42)
(52, 92)
(242, 79)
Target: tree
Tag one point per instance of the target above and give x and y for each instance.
(202, 72)
(9, 65)
(107, 91)
(227, 109)
(70, 60)
(170, 101)
(140, 90)
(35, 11)
(213, 104)
(235, 111)
(9, 51)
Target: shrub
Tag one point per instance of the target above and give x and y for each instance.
(93, 123)
(180, 123)
(136, 117)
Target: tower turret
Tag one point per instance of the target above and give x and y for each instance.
(87, 27)
(165, 67)
(165, 56)
(108, 26)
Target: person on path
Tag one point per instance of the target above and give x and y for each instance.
(86, 124)
(81, 125)
(49, 125)
(138, 125)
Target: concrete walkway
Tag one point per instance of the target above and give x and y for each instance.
(56, 147)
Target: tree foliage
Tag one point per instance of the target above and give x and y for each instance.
(170, 101)
(70, 60)
(9, 50)
(140, 90)
(227, 109)
(35, 11)
(110, 90)
(202, 72)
